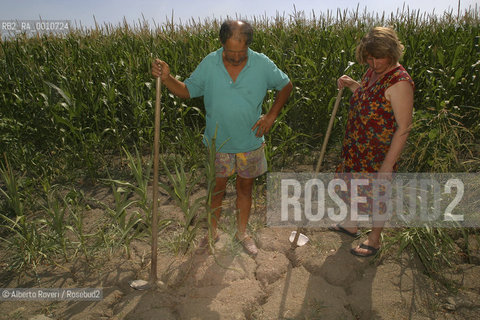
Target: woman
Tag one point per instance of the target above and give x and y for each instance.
(379, 118)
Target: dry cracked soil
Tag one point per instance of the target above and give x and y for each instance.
(320, 280)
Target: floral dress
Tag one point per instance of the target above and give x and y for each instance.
(371, 123)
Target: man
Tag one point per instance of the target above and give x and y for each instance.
(233, 82)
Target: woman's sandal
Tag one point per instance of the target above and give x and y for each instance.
(373, 251)
(339, 228)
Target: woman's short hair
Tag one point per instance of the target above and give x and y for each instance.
(233, 28)
(380, 42)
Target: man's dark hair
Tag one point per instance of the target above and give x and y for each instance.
(240, 29)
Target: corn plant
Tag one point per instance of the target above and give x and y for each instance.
(141, 176)
(57, 211)
(210, 174)
(27, 241)
(129, 224)
(76, 226)
(23, 235)
(443, 138)
(180, 188)
(433, 246)
(126, 224)
(13, 195)
(283, 144)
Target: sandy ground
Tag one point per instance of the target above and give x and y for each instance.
(320, 280)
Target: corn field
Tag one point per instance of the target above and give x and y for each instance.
(69, 105)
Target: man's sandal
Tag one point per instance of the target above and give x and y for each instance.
(203, 245)
(248, 244)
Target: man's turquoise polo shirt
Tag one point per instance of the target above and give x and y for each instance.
(234, 106)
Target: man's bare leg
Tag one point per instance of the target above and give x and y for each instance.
(216, 205)
(244, 203)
